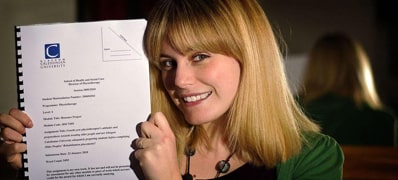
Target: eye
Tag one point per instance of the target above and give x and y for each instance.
(167, 64)
(200, 57)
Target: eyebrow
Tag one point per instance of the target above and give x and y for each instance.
(164, 56)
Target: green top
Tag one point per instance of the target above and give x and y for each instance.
(320, 158)
(349, 124)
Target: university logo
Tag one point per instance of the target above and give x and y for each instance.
(52, 57)
(52, 51)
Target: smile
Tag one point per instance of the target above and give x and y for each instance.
(199, 97)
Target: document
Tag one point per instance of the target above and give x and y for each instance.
(85, 86)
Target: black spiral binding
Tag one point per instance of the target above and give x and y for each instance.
(23, 172)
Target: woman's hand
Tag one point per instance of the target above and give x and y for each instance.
(13, 124)
(155, 149)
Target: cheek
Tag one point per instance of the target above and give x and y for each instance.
(234, 78)
(231, 74)
(231, 81)
(227, 79)
(168, 80)
(168, 84)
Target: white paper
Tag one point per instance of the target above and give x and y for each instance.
(86, 86)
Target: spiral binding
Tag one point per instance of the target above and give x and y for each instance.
(20, 94)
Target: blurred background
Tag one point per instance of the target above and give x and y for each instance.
(299, 23)
(372, 22)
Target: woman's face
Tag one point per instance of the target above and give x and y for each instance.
(202, 84)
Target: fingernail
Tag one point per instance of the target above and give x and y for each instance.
(30, 124)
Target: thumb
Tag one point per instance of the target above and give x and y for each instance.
(160, 121)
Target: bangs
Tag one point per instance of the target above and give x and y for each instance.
(186, 34)
(186, 28)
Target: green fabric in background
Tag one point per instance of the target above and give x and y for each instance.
(340, 118)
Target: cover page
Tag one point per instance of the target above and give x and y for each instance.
(86, 86)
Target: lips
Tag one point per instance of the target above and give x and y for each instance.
(191, 99)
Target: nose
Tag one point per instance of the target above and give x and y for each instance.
(184, 75)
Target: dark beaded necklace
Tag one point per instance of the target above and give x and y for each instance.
(221, 167)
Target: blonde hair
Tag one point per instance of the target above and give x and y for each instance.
(265, 125)
(338, 64)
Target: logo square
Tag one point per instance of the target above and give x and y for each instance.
(52, 51)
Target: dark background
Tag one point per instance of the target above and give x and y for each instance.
(372, 22)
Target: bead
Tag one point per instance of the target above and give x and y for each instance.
(189, 152)
(187, 176)
(223, 166)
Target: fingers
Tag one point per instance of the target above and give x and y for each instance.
(15, 161)
(160, 121)
(12, 152)
(155, 133)
(152, 132)
(22, 117)
(155, 149)
(135, 165)
(155, 126)
(141, 143)
(13, 125)
(16, 120)
(9, 149)
(9, 135)
(149, 130)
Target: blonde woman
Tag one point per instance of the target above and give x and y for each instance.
(222, 108)
(339, 92)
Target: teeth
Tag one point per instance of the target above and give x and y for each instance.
(196, 98)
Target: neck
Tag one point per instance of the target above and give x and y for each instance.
(221, 167)
(203, 164)
(216, 133)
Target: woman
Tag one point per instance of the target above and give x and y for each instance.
(339, 92)
(222, 105)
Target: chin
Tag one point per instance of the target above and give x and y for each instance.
(195, 121)
(202, 117)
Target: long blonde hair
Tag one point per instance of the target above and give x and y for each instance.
(265, 125)
(338, 64)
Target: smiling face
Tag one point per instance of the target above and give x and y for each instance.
(203, 85)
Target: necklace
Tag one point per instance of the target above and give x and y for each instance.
(221, 167)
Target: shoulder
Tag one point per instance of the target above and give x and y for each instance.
(384, 113)
(322, 107)
(333, 100)
(321, 157)
(378, 118)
